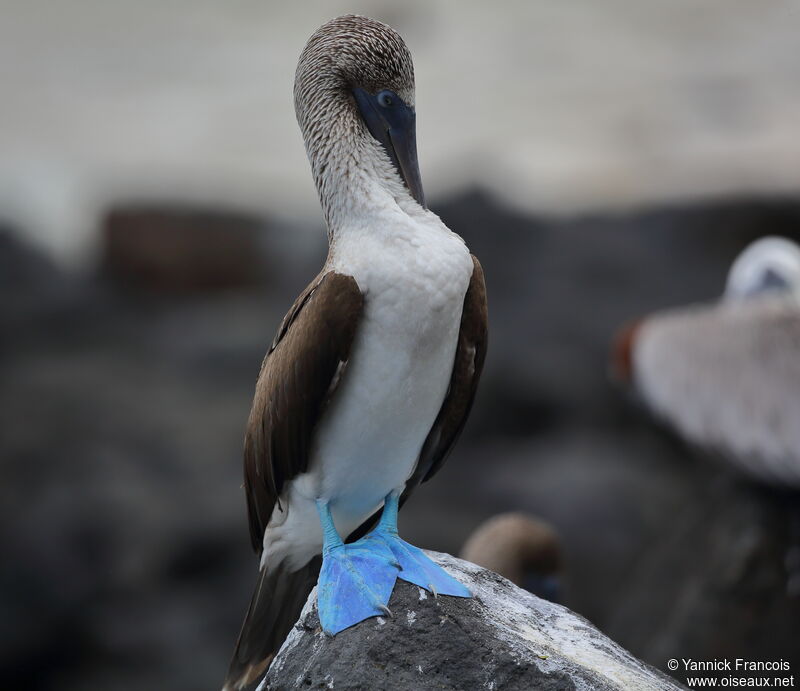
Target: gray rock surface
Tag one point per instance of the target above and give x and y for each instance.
(502, 638)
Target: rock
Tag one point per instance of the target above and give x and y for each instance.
(728, 577)
(36, 293)
(181, 250)
(502, 638)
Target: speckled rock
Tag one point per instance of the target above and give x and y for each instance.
(502, 638)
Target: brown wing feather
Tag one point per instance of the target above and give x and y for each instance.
(467, 368)
(297, 378)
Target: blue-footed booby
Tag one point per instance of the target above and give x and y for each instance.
(373, 371)
(726, 375)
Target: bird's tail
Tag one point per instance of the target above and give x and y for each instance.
(276, 604)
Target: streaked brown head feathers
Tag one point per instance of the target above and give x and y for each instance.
(351, 51)
(343, 54)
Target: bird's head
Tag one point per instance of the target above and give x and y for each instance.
(524, 549)
(770, 265)
(354, 100)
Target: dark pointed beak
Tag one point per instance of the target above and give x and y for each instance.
(394, 126)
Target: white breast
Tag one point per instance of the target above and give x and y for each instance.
(414, 274)
(414, 277)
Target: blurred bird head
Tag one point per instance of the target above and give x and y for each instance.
(523, 549)
(768, 266)
(354, 101)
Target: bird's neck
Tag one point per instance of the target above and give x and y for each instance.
(355, 179)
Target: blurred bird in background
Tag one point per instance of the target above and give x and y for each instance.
(726, 376)
(521, 548)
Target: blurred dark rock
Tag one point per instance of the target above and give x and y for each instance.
(29, 281)
(40, 304)
(182, 249)
(23, 271)
(501, 638)
(728, 573)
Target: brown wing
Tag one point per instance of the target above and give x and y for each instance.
(467, 368)
(298, 377)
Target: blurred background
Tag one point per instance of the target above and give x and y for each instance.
(157, 218)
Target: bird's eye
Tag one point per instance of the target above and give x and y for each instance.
(385, 98)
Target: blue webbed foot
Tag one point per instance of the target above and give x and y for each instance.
(355, 581)
(416, 567)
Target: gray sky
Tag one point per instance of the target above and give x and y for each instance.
(555, 105)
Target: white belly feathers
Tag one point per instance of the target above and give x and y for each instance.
(414, 274)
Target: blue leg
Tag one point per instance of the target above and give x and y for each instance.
(416, 567)
(355, 581)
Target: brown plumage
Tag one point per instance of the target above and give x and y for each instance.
(470, 355)
(298, 377)
(514, 545)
